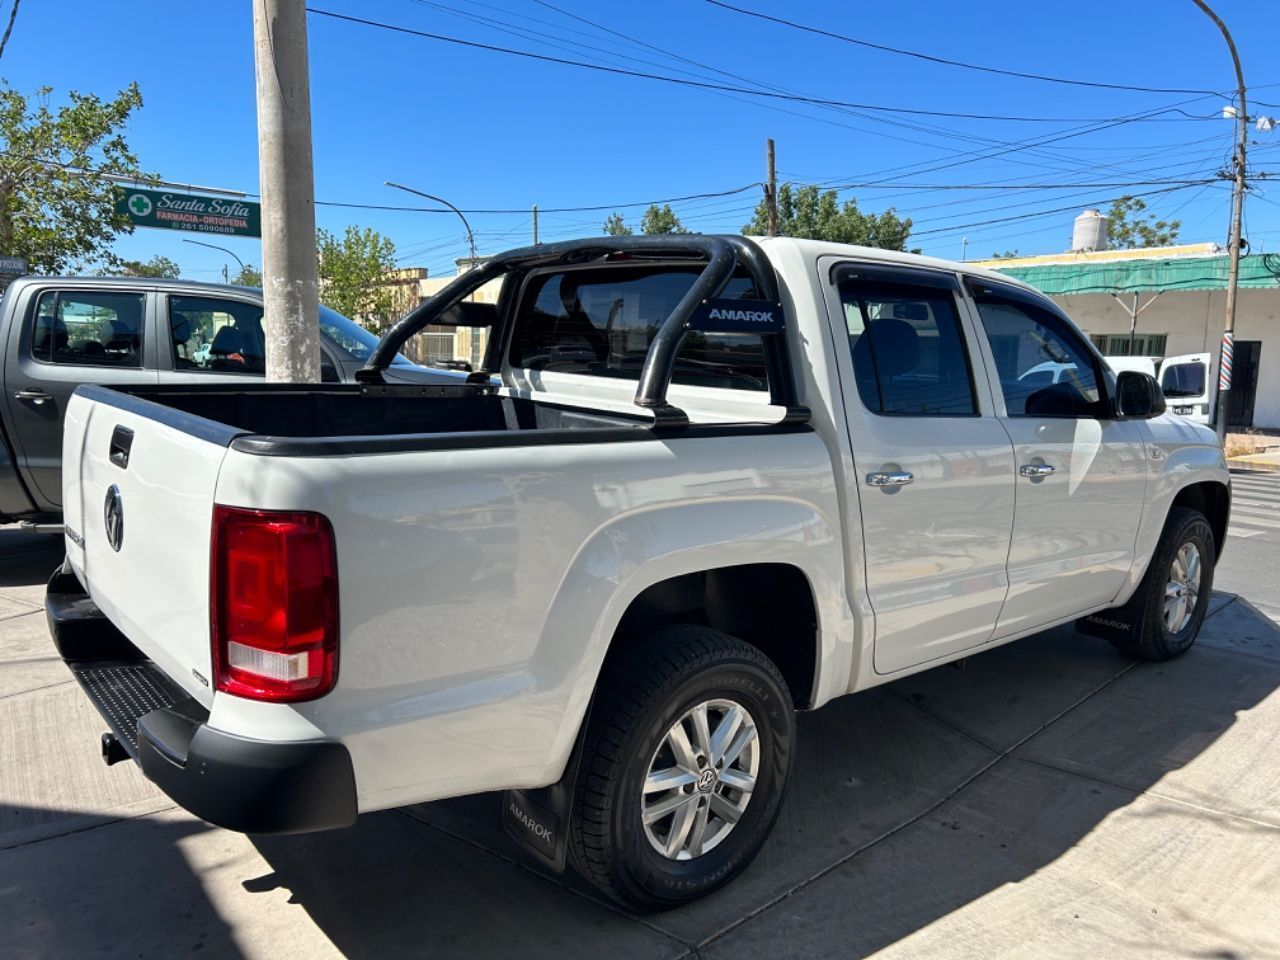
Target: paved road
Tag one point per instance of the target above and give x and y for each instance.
(1251, 563)
(1050, 799)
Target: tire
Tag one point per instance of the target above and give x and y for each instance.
(645, 693)
(1186, 533)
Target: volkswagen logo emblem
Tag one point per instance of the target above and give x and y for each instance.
(706, 780)
(113, 518)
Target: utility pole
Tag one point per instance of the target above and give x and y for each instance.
(1237, 214)
(535, 224)
(771, 188)
(290, 289)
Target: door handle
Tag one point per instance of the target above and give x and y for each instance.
(34, 394)
(1034, 470)
(896, 479)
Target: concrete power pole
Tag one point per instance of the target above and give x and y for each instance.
(771, 188)
(535, 224)
(1237, 215)
(290, 290)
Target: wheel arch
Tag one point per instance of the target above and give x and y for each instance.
(649, 563)
(1211, 498)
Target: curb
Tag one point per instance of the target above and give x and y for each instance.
(1255, 462)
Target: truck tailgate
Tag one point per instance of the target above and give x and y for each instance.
(138, 496)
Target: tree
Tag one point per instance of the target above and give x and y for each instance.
(614, 226)
(354, 274)
(157, 266)
(806, 212)
(249, 276)
(1127, 228)
(658, 220)
(1007, 255)
(57, 204)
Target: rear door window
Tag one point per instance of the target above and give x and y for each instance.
(89, 328)
(909, 355)
(216, 335)
(600, 321)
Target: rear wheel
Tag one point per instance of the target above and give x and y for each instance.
(684, 768)
(1171, 603)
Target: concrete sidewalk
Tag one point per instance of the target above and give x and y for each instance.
(1050, 799)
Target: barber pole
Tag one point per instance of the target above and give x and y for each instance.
(1224, 368)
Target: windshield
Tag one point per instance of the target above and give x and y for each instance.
(352, 337)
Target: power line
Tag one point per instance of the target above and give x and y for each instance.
(1032, 216)
(13, 15)
(595, 208)
(706, 85)
(410, 209)
(944, 60)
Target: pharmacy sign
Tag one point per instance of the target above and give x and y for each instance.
(166, 210)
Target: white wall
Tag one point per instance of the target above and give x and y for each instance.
(1193, 322)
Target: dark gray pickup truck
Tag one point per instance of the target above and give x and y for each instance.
(59, 332)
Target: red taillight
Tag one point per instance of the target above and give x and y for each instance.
(274, 604)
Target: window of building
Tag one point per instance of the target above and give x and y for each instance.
(89, 328)
(600, 323)
(908, 350)
(1117, 344)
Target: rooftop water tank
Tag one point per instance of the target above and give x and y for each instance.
(1089, 232)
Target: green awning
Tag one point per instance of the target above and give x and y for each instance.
(1148, 276)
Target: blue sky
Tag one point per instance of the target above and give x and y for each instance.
(492, 131)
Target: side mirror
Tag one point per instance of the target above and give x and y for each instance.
(1138, 396)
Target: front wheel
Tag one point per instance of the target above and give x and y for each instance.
(1173, 599)
(684, 768)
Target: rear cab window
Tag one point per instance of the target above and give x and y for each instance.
(599, 322)
(89, 328)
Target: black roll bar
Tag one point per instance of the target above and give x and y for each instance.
(722, 254)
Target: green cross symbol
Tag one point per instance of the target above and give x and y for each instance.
(139, 205)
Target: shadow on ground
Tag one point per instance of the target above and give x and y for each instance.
(28, 559)
(907, 803)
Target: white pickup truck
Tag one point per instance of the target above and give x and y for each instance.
(722, 480)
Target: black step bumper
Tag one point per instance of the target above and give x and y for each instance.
(253, 786)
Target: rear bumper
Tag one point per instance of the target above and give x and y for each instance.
(253, 786)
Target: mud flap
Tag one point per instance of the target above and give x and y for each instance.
(1119, 625)
(538, 819)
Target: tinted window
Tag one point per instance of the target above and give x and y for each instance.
(908, 349)
(1028, 341)
(1183, 380)
(601, 322)
(351, 337)
(88, 328)
(209, 333)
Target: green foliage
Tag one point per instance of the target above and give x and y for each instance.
(809, 213)
(157, 266)
(1007, 255)
(661, 220)
(354, 275)
(57, 208)
(249, 276)
(657, 219)
(614, 226)
(1128, 228)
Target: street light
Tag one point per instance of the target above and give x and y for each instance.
(214, 246)
(471, 240)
